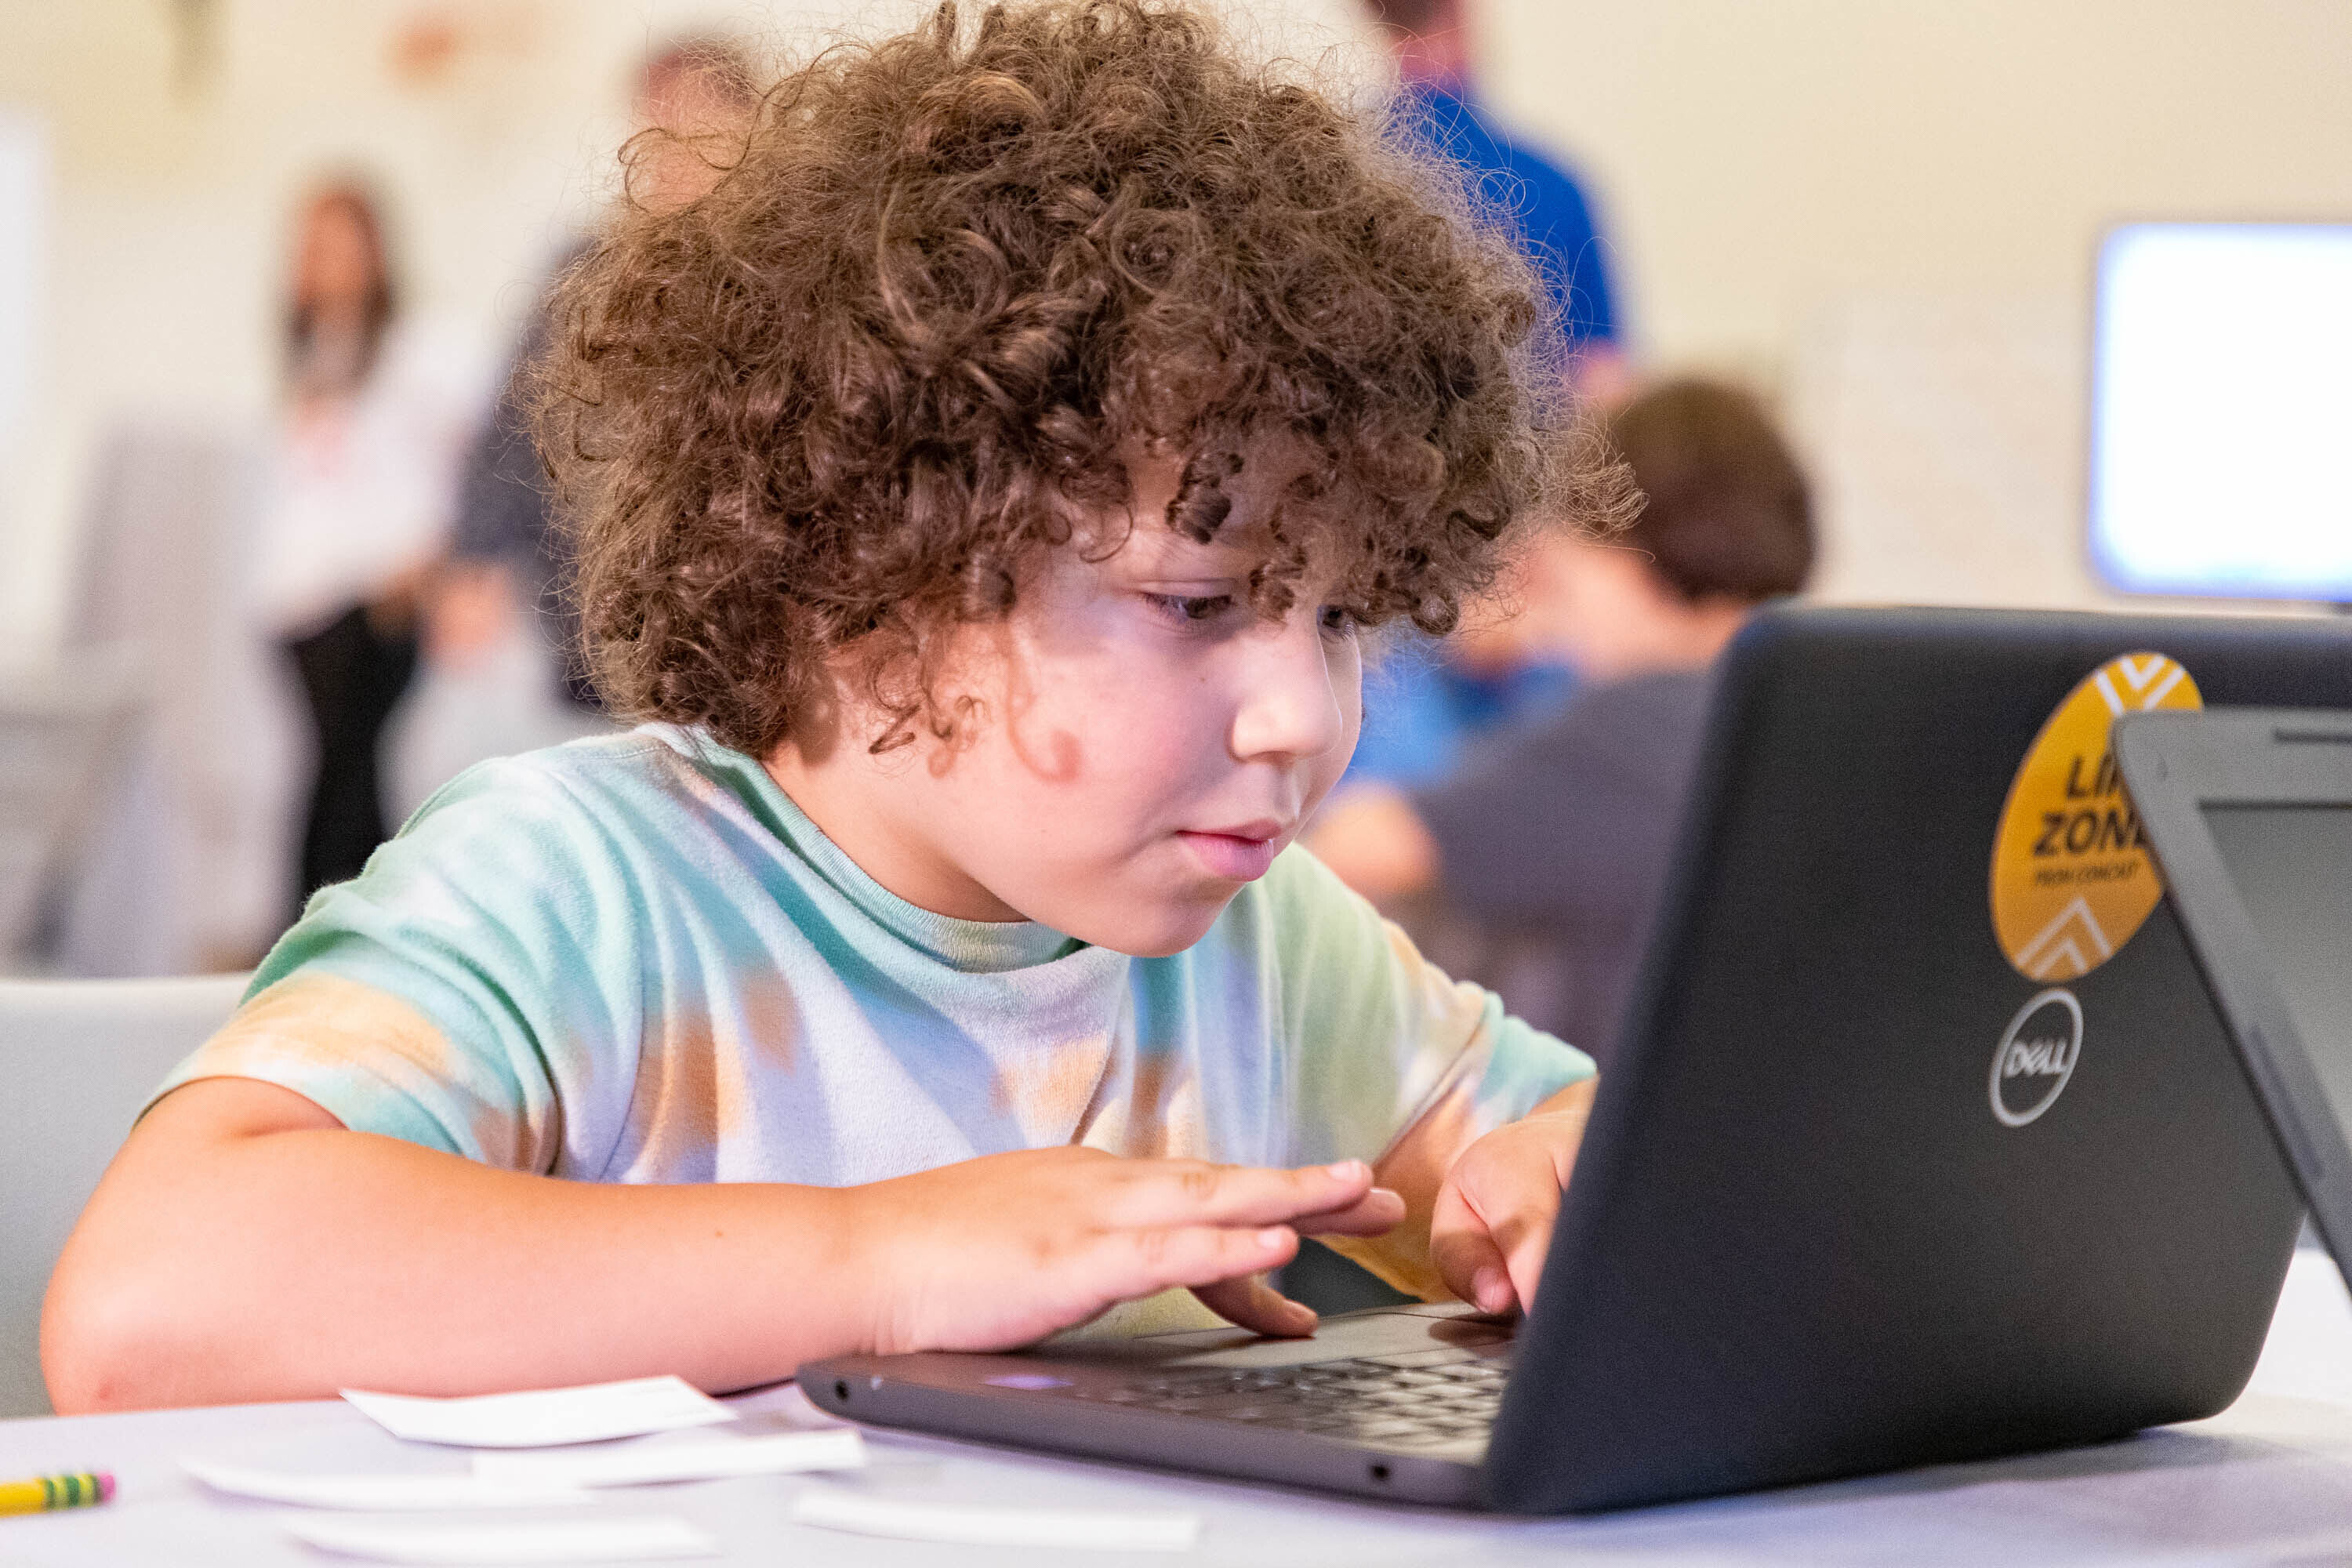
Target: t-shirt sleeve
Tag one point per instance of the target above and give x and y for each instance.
(1381, 1037)
(475, 990)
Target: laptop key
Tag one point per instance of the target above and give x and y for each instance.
(1410, 1379)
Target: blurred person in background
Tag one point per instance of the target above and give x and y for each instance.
(1432, 42)
(1432, 704)
(509, 566)
(1540, 862)
(362, 481)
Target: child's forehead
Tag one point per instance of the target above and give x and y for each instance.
(1141, 544)
(1151, 545)
(1264, 491)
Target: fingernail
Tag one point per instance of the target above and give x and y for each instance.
(1274, 1235)
(1387, 1192)
(1348, 1171)
(1487, 1288)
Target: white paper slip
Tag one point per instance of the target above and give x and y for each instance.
(788, 1453)
(547, 1416)
(632, 1538)
(902, 1518)
(382, 1493)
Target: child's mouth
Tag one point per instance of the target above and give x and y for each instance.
(1237, 856)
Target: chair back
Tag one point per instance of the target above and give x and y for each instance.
(78, 1060)
(59, 726)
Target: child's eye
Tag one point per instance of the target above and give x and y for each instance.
(1190, 607)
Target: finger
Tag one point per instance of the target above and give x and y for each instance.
(1472, 1266)
(1516, 1203)
(1124, 1264)
(1526, 1243)
(1377, 1213)
(1463, 1247)
(1254, 1304)
(1160, 1192)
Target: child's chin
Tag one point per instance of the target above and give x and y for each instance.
(1161, 934)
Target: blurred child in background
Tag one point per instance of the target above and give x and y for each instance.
(362, 479)
(1546, 853)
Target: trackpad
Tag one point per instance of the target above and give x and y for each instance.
(1440, 1333)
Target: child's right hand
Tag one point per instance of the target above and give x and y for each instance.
(998, 1252)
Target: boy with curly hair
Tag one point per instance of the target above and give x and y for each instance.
(985, 490)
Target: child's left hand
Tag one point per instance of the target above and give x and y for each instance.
(1492, 1224)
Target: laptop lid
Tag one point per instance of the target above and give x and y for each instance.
(2249, 811)
(1925, 1141)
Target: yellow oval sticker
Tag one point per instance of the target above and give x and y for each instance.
(2072, 881)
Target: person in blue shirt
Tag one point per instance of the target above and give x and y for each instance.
(1426, 711)
(1431, 42)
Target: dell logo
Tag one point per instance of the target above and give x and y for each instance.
(2036, 1057)
(2041, 1059)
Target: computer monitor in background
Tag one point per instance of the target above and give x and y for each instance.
(2221, 410)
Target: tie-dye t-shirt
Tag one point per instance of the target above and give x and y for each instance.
(634, 958)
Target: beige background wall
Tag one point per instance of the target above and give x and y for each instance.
(1884, 212)
(1760, 160)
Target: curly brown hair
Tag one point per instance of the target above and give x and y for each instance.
(952, 280)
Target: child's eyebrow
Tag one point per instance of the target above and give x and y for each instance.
(1162, 552)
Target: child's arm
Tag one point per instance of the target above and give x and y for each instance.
(244, 1245)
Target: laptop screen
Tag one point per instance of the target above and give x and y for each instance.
(2292, 865)
(2219, 391)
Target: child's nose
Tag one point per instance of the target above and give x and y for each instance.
(1290, 702)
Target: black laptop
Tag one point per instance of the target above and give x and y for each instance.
(1925, 1141)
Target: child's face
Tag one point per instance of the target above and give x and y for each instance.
(1146, 744)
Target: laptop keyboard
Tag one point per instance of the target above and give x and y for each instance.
(1417, 1399)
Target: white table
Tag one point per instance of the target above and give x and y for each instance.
(2268, 1482)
